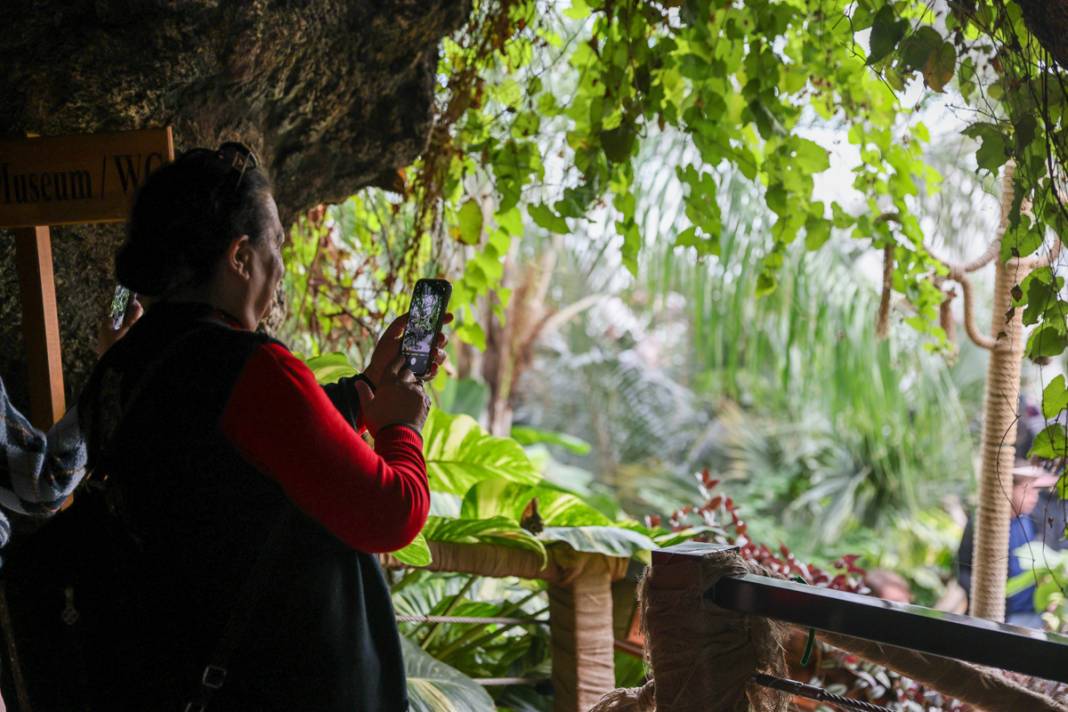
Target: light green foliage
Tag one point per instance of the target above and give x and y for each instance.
(434, 686)
(415, 554)
(498, 530)
(329, 368)
(459, 454)
(1046, 569)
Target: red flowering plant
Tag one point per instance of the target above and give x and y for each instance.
(718, 519)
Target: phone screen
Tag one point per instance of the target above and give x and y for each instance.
(429, 301)
(120, 301)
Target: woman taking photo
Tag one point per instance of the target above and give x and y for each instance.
(254, 505)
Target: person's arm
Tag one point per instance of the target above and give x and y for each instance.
(282, 421)
(38, 470)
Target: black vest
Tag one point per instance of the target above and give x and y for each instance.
(323, 636)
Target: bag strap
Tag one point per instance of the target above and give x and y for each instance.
(214, 674)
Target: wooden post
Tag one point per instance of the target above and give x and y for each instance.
(580, 609)
(580, 630)
(40, 324)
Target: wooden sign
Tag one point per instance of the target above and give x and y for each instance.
(57, 180)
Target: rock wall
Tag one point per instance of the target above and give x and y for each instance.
(333, 95)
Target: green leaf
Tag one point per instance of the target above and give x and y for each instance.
(810, 156)
(543, 216)
(526, 436)
(434, 686)
(415, 554)
(993, 149)
(817, 232)
(1020, 582)
(612, 541)
(500, 531)
(329, 368)
(565, 509)
(917, 48)
(618, 143)
(1050, 444)
(470, 218)
(940, 65)
(459, 453)
(1046, 341)
(1054, 397)
(496, 498)
(886, 32)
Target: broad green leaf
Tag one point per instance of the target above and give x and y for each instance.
(415, 554)
(817, 232)
(543, 216)
(993, 148)
(564, 509)
(1050, 444)
(917, 48)
(810, 156)
(1054, 397)
(1019, 582)
(434, 686)
(470, 219)
(1047, 340)
(618, 143)
(612, 541)
(556, 507)
(940, 65)
(526, 435)
(496, 498)
(459, 453)
(501, 531)
(328, 368)
(886, 32)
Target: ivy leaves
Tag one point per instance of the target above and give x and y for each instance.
(994, 146)
(923, 50)
(886, 31)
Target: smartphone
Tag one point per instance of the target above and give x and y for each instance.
(430, 302)
(120, 302)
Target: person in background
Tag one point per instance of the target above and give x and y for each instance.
(888, 585)
(1050, 515)
(1027, 482)
(39, 470)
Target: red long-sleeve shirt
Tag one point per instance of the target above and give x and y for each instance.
(280, 420)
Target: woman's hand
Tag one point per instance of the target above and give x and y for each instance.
(398, 399)
(389, 347)
(107, 335)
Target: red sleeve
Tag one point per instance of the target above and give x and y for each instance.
(281, 420)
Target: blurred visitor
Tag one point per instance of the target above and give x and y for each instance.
(888, 586)
(1050, 515)
(1028, 481)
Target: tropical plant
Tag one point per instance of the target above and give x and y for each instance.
(1047, 570)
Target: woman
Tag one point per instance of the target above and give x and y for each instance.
(254, 504)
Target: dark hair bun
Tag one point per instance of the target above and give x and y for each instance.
(183, 219)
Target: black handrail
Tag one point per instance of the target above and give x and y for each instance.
(975, 640)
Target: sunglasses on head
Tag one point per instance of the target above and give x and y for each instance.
(230, 156)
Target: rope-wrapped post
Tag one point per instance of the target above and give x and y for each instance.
(580, 633)
(999, 436)
(580, 608)
(703, 658)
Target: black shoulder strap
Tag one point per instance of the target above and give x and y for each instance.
(214, 674)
